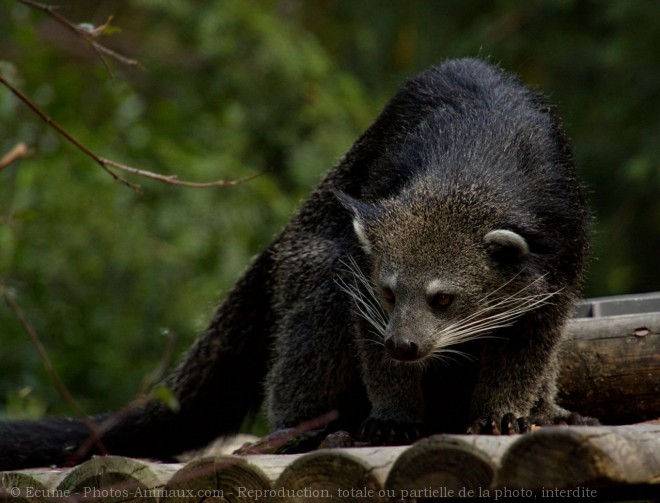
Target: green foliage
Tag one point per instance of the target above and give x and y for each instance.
(232, 88)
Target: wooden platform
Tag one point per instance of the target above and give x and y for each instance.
(596, 463)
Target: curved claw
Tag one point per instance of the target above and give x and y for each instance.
(508, 424)
(387, 432)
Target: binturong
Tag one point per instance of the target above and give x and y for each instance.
(422, 287)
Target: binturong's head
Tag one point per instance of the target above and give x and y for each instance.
(439, 269)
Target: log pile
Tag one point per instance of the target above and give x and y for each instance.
(591, 462)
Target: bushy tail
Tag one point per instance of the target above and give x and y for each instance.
(217, 384)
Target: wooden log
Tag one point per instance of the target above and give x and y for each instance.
(447, 466)
(114, 479)
(32, 486)
(379, 459)
(610, 368)
(271, 465)
(569, 458)
(222, 478)
(324, 474)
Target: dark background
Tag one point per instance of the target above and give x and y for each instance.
(231, 88)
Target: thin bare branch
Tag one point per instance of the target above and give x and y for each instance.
(106, 164)
(174, 179)
(165, 359)
(33, 106)
(87, 34)
(19, 151)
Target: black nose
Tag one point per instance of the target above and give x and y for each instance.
(401, 349)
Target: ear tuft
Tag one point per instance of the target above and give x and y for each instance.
(363, 214)
(361, 234)
(506, 246)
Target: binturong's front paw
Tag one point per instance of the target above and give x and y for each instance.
(494, 424)
(389, 432)
(509, 424)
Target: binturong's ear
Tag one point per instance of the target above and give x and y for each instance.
(506, 247)
(363, 214)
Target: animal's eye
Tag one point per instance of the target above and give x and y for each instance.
(388, 295)
(441, 301)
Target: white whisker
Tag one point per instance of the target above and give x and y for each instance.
(465, 355)
(442, 358)
(496, 313)
(364, 296)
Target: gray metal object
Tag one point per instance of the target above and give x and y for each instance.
(599, 307)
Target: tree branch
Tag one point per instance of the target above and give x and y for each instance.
(19, 151)
(106, 164)
(87, 32)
